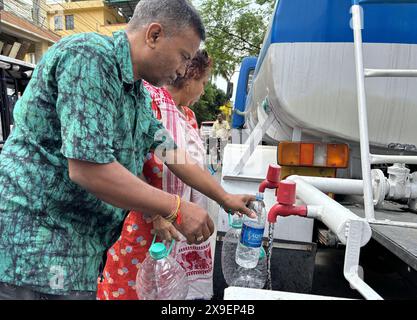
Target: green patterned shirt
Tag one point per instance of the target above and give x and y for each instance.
(81, 103)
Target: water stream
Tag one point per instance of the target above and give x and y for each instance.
(268, 284)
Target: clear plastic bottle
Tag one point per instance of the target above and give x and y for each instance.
(230, 241)
(253, 277)
(160, 276)
(247, 252)
(233, 274)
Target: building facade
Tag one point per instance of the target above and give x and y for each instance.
(66, 18)
(24, 33)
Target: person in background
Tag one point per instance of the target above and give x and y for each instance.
(221, 128)
(170, 105)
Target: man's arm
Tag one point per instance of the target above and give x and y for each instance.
(185, 168)
(115, 185)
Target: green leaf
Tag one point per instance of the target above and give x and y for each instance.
(235, 29)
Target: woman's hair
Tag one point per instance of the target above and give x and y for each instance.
(199, 66)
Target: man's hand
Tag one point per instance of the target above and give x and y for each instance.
(164, 230)
(196, 225)
(237, 203)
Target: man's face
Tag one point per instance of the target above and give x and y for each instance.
(170, 56)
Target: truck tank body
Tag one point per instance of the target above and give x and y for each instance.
(306, 70)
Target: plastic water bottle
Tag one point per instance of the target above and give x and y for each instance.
(160, 276)
(253, 277)
(230, 241)
(247, 252)
(234, 274)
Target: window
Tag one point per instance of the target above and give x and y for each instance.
(69, 22)
(58, 23)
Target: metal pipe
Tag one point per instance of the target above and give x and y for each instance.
(351, 265)
(382, 159)
(394, 223)
(351, 230)
(332, 214)
(372, 73)
(336, 185)
(346, 187)
(362, 112)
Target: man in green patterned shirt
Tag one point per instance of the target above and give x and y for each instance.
(69, 171)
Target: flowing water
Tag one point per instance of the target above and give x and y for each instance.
(268, 285)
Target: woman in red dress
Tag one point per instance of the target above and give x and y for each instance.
(126, 255)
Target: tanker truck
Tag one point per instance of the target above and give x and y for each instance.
(330, 102)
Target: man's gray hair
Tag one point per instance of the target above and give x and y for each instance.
(174, 15)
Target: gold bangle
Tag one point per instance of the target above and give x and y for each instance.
(173, 216)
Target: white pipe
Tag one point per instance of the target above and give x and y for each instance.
(382, 159)
(333, 214)
(369, 73)
(394, 223)
(358, 284)
(315, 212)
(351, 230)
(346, 187)
(336, 185)
(351, 265)
(362, 112)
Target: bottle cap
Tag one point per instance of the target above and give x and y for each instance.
(262, 254)
(237, 222)
(158, 251)
(259, 196)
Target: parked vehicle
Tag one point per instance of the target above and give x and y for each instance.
(205, 129)
(14, 77)
(307, 108)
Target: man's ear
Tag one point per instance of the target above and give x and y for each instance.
(154, 34)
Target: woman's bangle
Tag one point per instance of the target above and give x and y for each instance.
(172, 217)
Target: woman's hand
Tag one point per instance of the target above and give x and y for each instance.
(164, 230)
(237, 203)
(196, 225)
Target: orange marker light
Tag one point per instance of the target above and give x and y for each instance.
(337, 155)
(313, 154)
(289, 153)
(306, 154)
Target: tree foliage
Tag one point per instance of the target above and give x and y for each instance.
(208, 107)
(235, 29)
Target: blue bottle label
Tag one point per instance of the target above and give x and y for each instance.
(251, 237)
